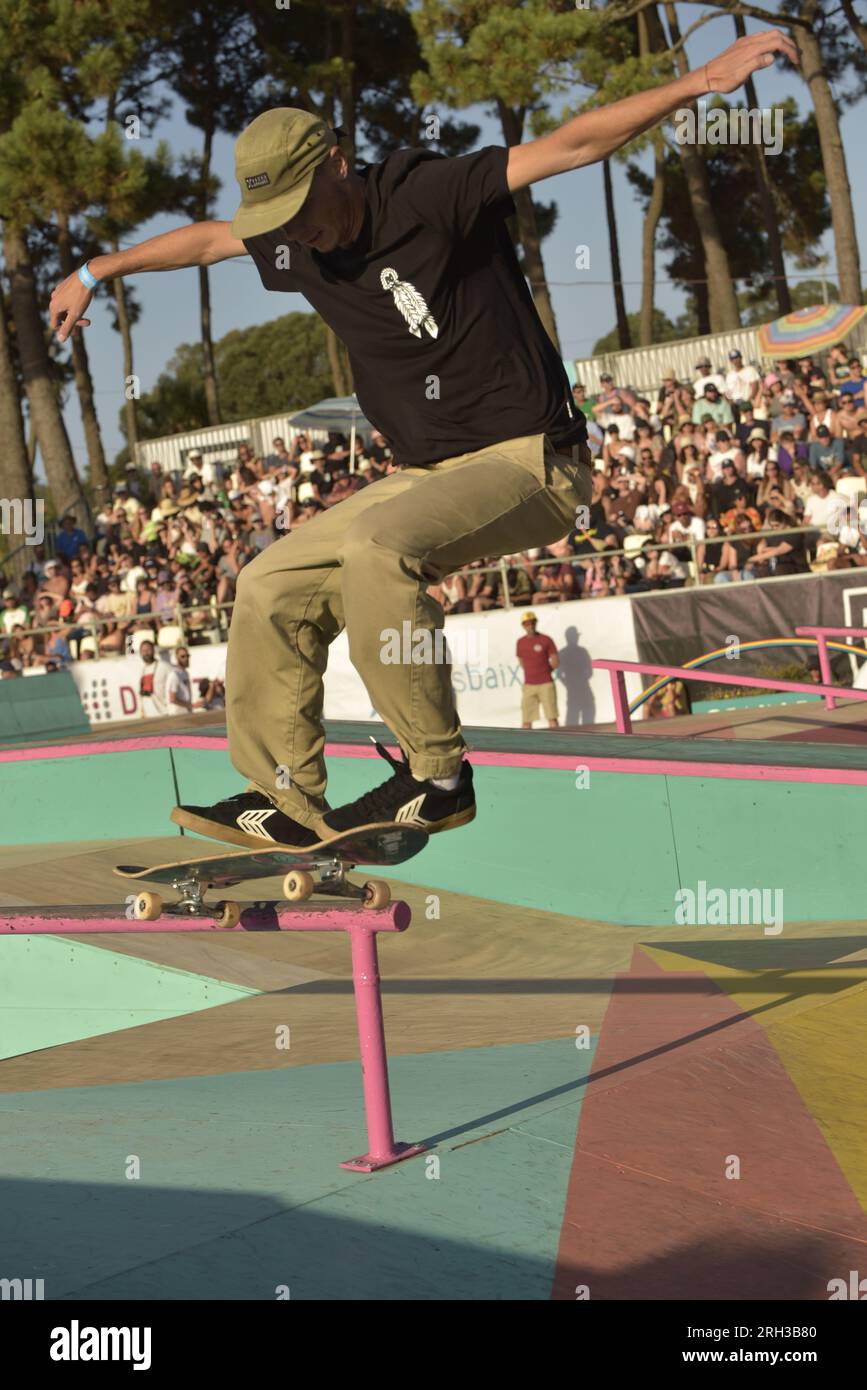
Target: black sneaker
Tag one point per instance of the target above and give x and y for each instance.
(406, 801)
(249, 819)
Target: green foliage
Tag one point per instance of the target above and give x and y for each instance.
(664, 331)
(799, 196)
(272, 367)
(485, 50)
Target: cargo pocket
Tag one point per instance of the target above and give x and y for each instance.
(568, 479)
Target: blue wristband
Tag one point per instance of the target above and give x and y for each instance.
(89, 281)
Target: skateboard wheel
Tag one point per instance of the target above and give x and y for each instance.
(377, 893)
(147, 907)
(297, 886)
(228, 914)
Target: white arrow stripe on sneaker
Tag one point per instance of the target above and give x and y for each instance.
(409, 811)
(252, 822)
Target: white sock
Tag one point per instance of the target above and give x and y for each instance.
(447, 784)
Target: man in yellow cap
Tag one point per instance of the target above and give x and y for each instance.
(410, 262)
(537, 653)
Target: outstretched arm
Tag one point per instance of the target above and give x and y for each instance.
(200, 243)
(597, 134)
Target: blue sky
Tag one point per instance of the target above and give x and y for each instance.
(583, 305)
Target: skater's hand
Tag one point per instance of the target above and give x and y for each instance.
(68, 302)
(732, 68)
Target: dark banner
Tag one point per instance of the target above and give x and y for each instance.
(673, 627)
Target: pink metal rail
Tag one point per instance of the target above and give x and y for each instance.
(821, 635)
(618, 669)
(361, 925)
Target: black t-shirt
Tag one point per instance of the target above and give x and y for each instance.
(448, 352)
(795, 560)
(723, 495)
(743, 431)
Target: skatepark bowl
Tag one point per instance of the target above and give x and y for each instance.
(625, 1025)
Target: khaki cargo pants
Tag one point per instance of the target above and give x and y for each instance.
(365, 565)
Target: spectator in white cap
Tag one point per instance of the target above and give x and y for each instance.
(706, 376)
(14, 613)
(196, 467)
(742, 383)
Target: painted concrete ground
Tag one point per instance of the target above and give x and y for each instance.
(631, 1111)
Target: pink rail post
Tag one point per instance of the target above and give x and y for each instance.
(362, 926)
(382, 1149)
(683, 673)
(821, 635)
(621, 702)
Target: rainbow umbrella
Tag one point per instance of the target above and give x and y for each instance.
(809, 330)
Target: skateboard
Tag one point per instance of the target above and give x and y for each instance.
(322, 868)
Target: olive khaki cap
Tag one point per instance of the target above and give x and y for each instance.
(275, 160)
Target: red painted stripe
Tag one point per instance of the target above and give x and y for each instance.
(682, 1079)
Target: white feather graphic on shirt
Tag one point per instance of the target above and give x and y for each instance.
(410, 303)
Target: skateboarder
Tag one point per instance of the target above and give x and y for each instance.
(410, 262)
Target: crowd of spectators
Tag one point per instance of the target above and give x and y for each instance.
(738, 474)
(160, 568)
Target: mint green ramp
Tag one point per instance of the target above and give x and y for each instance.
(55, 991)
(40, 707)
(804, 839)
(102, 796)
(612, 846)
(241, 1194)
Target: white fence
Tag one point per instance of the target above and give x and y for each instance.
(642, 367)
(219, 443)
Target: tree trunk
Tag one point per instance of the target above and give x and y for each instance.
(15, 475)
(512, 123)
(833, 160)
(766, 198)
(722, 299)
(623, 335)
(83, 381)
(650, 39)
(858, 26)
(36, 369)
(341, 374)
(702, 309)
(347, 72)
(124, 327)
(209, 370)
(648, 245)
(125, 330)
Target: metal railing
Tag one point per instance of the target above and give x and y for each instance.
(217, 615)
(618, 670)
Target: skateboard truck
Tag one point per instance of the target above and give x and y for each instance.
(324, 868)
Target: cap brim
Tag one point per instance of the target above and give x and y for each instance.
(275, 212)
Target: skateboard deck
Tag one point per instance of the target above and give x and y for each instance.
(322, 867)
